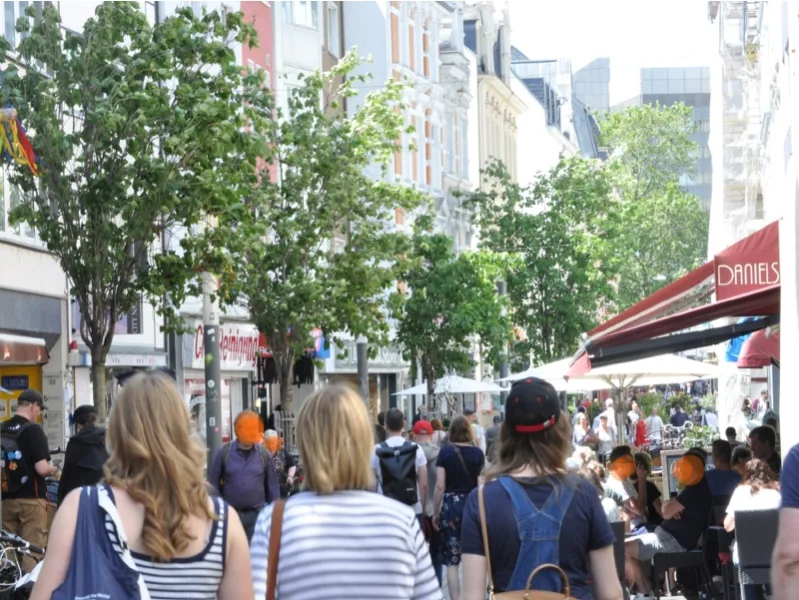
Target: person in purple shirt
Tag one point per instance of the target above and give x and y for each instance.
(243, 472)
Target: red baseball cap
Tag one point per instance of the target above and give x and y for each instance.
(423, 428)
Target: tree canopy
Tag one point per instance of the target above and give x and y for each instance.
(315, 246)
(663, 229)
(451, 312)
(136, 129)
(559, 227)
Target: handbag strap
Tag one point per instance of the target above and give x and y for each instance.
(463, 463)
(482, 505)
(276, 529)
(107, 504)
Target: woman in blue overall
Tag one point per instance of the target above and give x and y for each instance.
(536, 513)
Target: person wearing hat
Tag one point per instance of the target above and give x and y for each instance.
(423, 436)
(528, 495)
(24, 489)
(86, 453)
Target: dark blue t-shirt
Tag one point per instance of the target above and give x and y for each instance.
(678, 419)
(459, 481)
(584, 528)
(789, 480)
(722, 483)
(697, 502)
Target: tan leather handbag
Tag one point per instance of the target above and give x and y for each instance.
(527, 593)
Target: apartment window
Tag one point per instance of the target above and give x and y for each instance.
(10, 198)
(333, 30)
(304, 13)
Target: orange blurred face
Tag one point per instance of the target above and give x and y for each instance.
(623, 467)
(688, 470)
(249, 429)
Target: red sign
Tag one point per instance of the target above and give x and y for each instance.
(239, 346)
(749, 265)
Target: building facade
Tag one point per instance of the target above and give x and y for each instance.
(691, 86)
(592, 85)
(487, 33)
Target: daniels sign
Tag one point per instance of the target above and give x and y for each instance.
(751, 264)
(238, 344)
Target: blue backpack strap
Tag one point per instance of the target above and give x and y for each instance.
(539, 534)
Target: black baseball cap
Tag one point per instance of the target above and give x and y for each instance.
(532, 406)
(32, 397)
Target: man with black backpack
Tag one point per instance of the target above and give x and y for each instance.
(400, 465)
(25, 464)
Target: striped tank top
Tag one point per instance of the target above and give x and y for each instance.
(192, 578)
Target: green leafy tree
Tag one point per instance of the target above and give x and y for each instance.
(135, 129)
(452, 310)
(316, 247)
(559, 227)
(664, 229)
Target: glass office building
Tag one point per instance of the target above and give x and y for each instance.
(691, 86)
(592, 85)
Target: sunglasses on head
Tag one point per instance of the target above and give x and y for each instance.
(123, 377)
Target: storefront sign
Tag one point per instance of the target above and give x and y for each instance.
(135, 360)
(239, 344)
(388, 358)
(749, 265)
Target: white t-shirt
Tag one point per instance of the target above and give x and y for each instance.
(742, 499)
(421, 461)
(612, 511)
(654, 427)
(626, 490)
(605, 441)
(633, 416)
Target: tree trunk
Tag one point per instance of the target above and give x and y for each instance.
(99, 387)
(286, 388)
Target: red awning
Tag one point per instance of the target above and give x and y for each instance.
(760, 350)
(745, 278)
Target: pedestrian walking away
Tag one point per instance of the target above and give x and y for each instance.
(26, 463)
(244, 473)
(86, 453)
(337, 538)
(153, 509)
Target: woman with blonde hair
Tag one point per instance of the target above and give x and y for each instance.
(532, 512)
(338, 538)
(179, 538)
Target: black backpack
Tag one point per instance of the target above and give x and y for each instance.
(14, 468)
(398, 472)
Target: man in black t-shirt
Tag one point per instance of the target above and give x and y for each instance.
(24, 486)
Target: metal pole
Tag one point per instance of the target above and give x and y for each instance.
(504, 369)
(361, 349)
(213, 376)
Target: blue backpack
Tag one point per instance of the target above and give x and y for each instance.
(112, 575)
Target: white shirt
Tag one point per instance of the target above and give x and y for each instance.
(626, 490)
(479, 436)
(348, 544)
(394, 442)
(612, 511)
(743, 499)
(712, 421)
(654, 427)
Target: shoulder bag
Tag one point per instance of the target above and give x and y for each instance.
(527, 593)
(275, 530)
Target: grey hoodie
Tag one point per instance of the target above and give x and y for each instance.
(431, 454)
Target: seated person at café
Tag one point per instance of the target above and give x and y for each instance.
(684, 521)
(763, 440)
(722, 479)
(654, 503)
(618, 484)
(740, 456)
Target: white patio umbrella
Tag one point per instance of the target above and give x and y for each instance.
(656, 370)
(453, 384)
(555, 373)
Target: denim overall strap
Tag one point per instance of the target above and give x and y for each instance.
(539, 534)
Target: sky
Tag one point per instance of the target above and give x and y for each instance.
(632, 33)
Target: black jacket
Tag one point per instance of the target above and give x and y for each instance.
(84, 460)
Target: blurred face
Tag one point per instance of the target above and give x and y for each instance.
(603, 422)
(635, 405)
(760, 449)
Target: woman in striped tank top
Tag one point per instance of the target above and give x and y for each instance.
(185, 545)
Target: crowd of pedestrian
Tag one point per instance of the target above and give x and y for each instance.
(387, 510)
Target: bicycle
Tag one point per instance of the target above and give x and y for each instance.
(15, 584)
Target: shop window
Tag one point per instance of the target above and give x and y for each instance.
(11, 198)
